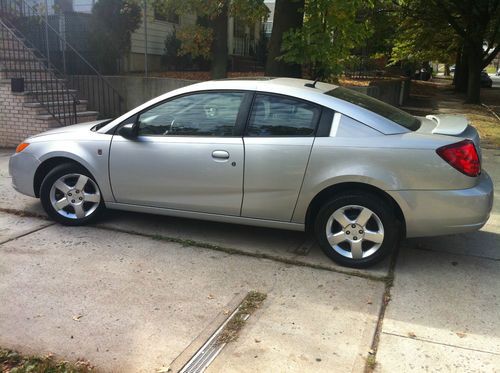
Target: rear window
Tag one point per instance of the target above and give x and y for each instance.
(378, 107)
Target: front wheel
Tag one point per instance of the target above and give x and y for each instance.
(70, 195)
(357, 230)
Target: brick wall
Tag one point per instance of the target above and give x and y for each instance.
(16, 121)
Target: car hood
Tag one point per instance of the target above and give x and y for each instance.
(80, 127)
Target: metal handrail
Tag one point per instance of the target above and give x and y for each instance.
(85, 84)
(21, 62)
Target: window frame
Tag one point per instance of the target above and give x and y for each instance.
(239, 125)
(317, 117)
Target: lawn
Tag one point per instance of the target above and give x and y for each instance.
(486, 123)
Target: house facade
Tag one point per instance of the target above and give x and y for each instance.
(148, 41)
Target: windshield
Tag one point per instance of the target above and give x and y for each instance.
(378, 107)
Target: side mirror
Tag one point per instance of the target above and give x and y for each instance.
(128, 131)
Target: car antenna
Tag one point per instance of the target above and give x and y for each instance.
(312, 85)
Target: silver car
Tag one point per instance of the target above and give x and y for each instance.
(280, 153)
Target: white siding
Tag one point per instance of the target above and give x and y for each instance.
(157, 33)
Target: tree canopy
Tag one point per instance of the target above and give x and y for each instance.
(465, 31)
(331, 30)
(208, 36)
(111, 40)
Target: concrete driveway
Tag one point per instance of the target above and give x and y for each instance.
(142, 293)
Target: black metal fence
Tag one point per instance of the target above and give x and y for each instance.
(57, 40)
(43, 85)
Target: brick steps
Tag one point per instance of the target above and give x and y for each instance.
(42, 109)
(46, 102)
(30, 84)
(48, 94)
(86, 116)
(81, 114)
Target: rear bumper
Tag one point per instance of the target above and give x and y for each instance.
(22, 168)
(434, 213)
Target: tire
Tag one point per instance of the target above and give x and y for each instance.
(346, 225)
(65, 200)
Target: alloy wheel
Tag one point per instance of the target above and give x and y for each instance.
(75, 196)
(355, 232)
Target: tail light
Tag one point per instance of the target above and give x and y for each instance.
(462, 156)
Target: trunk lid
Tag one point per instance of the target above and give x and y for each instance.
(450, 125)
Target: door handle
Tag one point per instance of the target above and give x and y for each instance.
(220, 154)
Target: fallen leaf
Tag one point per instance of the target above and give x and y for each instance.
(77, 317)
(210, 296)
(226, 312)
(163, 370)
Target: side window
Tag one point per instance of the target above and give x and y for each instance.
(282, 116)
(199, 114)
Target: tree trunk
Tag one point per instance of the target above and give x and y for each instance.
(475, 59)
(458, 61)
(288, 14)
(219, 44)
(461, 72)
(447, 69)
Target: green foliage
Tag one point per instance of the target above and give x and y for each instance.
(173, 59)
(383, 25)
(423, 34)
(112, 22)
(331, 30)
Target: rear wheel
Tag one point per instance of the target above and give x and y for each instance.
(70, 195)
(357, 230)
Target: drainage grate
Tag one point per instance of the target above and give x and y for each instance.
(209, 351)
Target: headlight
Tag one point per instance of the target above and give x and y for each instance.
(21, 147)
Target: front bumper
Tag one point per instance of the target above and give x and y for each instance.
(22, 168)
(434, 213)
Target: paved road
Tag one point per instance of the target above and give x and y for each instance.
(132, 293)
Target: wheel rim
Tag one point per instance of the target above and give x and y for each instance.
(355, 232)
(75, 196)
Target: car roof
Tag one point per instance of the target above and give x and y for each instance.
(290, 86)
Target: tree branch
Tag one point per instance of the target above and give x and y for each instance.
(452, 20)
(491, 57)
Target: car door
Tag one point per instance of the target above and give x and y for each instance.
(188, 155)
(278, 141)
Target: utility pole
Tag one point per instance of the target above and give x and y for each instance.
(47, 31)
(146, 38)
